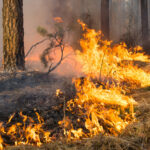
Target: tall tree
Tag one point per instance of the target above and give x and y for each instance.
(144, 20)
(105, 18)
(13, 35)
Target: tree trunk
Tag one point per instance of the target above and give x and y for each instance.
(105, 18)
(144, 20)
(13, 35)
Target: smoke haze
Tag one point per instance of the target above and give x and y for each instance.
(41, 13)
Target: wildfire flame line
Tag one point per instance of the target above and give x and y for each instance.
(101, 99)
(101, 104)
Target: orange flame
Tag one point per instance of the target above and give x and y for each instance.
(101, 101)
(58, 19)
(101, 96)
(27, 133)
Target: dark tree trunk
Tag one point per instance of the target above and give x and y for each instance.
(13, 35)
(144, 20)
(105, 18)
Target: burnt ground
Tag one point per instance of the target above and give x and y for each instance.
(30, 91)
(34, 91)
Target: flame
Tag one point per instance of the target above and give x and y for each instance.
(1, 143)
(71, 134)
(101, 60)
(101, 99)
(58, 19)
(101, 104)
(58, 92)
(27, 132)
(2, 130)
(10, 118)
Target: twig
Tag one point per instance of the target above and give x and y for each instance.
(108, 75)
(40, 42)
(50, 66)
(65, 117)
(101, 66)
(62, 55)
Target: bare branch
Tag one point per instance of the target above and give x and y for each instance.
(38, 43)
(62, 55)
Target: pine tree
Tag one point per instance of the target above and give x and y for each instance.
(13, 35)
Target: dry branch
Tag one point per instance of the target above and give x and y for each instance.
(36, 44)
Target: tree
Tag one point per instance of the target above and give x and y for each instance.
(105, 18)
(13, 35)
(144, 20)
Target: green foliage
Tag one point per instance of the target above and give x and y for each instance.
(60, 31)
(42, 31)
(55, 41)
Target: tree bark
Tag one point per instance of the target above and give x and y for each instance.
(13, 35)
(105, 18)
(144, 20)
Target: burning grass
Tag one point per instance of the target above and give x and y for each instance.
(136, 136)
(25, 132)
(101, 101)
(101, 114)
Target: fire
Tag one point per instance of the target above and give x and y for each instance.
(101, 100)
(106, 62)
(2, 130)
(1, 143)
(101, 104)
(58, 19)
(58, 92)
(71, 134)
(27, 132)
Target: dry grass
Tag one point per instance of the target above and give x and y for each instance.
(135, 137)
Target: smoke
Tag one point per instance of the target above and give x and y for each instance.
(42, 13)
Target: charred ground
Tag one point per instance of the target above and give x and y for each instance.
(36, 91)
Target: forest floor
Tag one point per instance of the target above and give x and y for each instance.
(27, 91)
